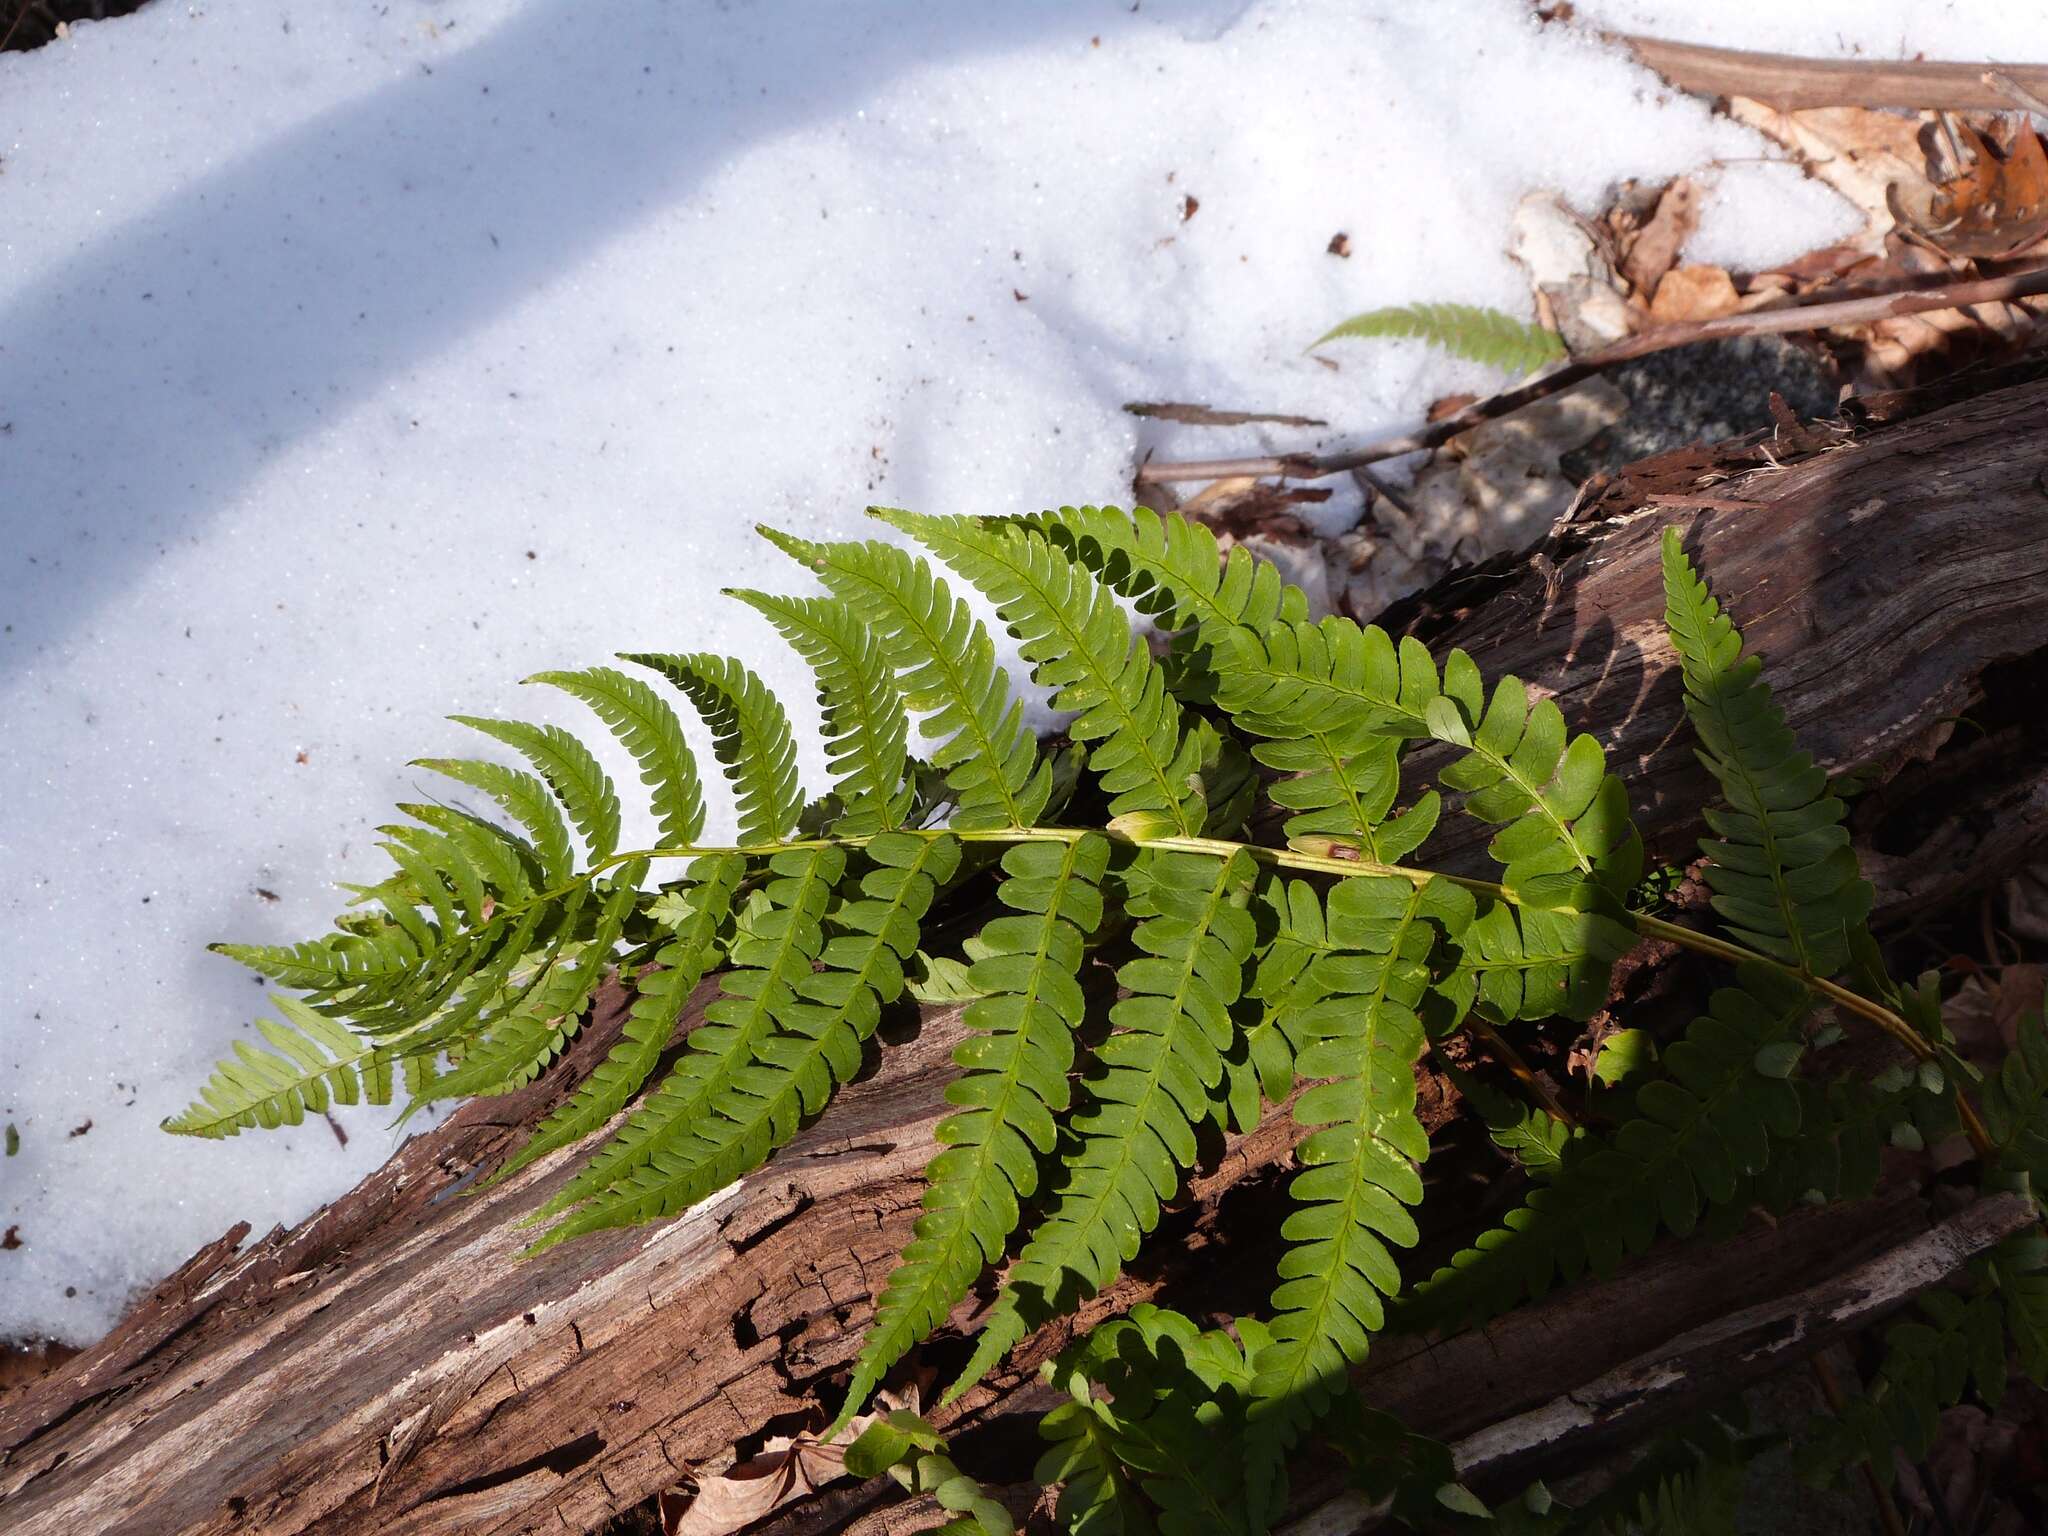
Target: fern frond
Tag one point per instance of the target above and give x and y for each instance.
(1080, 645)
(1564, 818)
(1464, 330)
(551, 1010)
(525, 799)
(1260, 1069)
(1359, 1160)
(1016, 1078)
(750, 736)
(649, 729)
(659, 999)
(773, 951)
(2014, 1102)
(583, 787)
(507, 864)
(1567, 823)
(946, 667)
(1170, 1426)
(1698, 1130)
(340, 962)
(444, 866)
(1783, 874)
(866, 732)
(1515, 962)
(1172, 569)
(1344, 778)
(316, 1062)
(814, 1049)
(1153, 1089)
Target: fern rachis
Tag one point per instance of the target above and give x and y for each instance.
(1240, 967)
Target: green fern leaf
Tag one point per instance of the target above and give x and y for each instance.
(866, 733)
(1016, 1078)
(2014, 1102)
(1530, 963)
(946, 666)
(507, 865)
(339, 963)
(750, 736)
(1783, 874)
(1080, 645)
(1158, 1071)
(1566, 818)
(445, 866)
(649, 729)
(316, 1062)
(1698, 1131)
(551, 1010)
(658, 1003)
(525, 798)
(584, 788)
(1260, 1069)
(1359, 1160)
(1464, 330)
(1172, 568)
(816, 1046)
(1344, 777)
(773, 953)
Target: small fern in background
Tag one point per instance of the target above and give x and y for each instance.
(1151, 967)
(1463, 330)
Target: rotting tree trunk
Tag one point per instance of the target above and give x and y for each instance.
(390, 1366)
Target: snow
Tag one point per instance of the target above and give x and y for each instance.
(357, 361)
(1754, 216)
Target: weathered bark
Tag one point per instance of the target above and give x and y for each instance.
(391, 1366)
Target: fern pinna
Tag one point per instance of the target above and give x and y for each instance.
(1153, 967)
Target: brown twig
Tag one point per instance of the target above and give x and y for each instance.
(1522, 1072)
(1831, 1389)
(1787, 82)
(1801, 317)
(2013, 91)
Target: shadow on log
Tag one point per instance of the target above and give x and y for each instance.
(391, 1366)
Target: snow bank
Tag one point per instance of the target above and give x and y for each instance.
(358, 361)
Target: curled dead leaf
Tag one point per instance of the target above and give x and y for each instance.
(1655, 248)
(786, 1469)
(1997, 206)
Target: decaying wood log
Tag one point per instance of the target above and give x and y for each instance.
(391, 1366)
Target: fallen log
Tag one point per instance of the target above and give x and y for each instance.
(390, 1365)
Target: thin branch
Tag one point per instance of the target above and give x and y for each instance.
(2012, 90)
(1803, 317)
(1838, 1404)
(1522, 1072)
(1789, 83)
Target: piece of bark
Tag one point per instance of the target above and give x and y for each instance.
(392, 1366)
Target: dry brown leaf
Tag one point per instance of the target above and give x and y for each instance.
(751, 1490)
(1985, 1012)
(1860, 152)
(1694, 293)
(1998, 206)
(1656, 246)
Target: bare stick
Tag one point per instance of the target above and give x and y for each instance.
(1802, 317)
(1787, 82)
(2012, 90)
(1838, 1404)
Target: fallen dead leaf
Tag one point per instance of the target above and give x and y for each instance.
(1997, 206)
(1860, 152)
(787, 1468)
(1694, 293)
(1655, 249)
